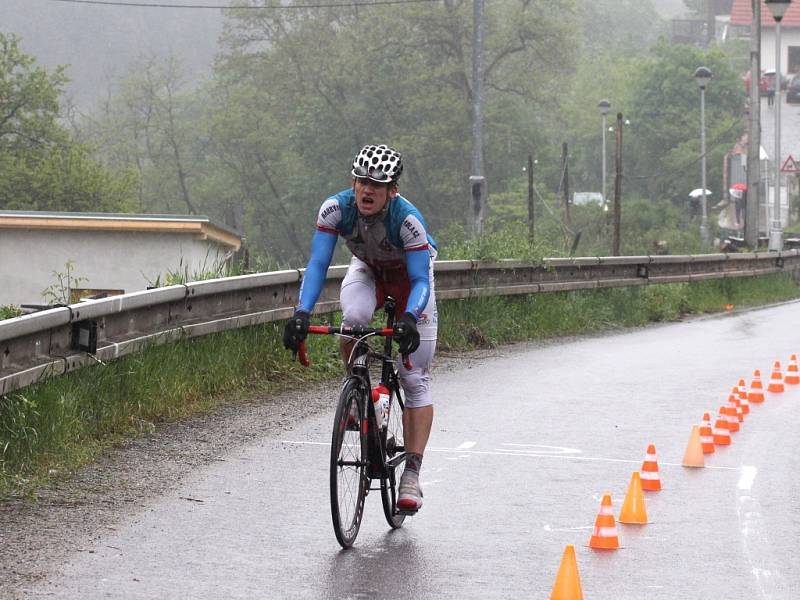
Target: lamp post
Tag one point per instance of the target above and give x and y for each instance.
(703, 75)
(604, 106)
(778, 9)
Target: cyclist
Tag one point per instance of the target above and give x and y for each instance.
(392, 255)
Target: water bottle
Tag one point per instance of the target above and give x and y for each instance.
(380, 401)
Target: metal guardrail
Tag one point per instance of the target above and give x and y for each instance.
(55, 341)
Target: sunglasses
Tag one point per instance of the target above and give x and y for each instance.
(373, 174)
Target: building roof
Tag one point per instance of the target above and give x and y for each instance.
(197, 225)
(742, 14)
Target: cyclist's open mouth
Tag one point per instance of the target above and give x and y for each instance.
(367, 205)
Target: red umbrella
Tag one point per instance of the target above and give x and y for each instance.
(742, 187)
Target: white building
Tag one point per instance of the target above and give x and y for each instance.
(742, 18)
(107, 253)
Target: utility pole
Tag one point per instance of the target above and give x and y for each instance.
(565, 178)
(617, 186)
(703, 76)
(530, 200)
(477, 181)
(754, 133)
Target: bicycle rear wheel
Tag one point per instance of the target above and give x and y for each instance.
(395, 456)
(348, 481)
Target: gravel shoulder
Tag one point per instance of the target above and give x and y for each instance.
(71, 514)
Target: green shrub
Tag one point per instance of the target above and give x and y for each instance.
(9, 312)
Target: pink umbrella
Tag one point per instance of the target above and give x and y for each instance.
(742, 187)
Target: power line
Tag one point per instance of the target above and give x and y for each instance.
(354, 3)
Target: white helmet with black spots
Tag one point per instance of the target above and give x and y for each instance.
(378, 163)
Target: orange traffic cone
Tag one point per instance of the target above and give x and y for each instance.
(730, 416)
(707, 435)
(733, 402)
(756, 389)
(776, 379)
(568, 580)
(693, 457)
(792, 374)
(743, 397)
(649, 471)
(633, 509)
(604, 535)
(756, 393)
(722, 435)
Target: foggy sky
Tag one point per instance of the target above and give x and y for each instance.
(99, 42)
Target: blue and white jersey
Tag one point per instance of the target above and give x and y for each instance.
(394, 243)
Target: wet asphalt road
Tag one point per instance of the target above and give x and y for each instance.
(790, 129)
(523, 447)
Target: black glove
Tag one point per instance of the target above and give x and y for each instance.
(296, 330)
(406, 334)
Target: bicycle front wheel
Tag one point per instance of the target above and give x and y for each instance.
(348, 459)
(395, 454)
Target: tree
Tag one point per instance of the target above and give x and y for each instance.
(43, 167)
(152, 124)
(665, 104)
(28, 100)
(316, 84)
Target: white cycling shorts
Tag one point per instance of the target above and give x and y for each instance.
(359, 301)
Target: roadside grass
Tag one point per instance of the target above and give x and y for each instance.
(481, 322)
(50, 429)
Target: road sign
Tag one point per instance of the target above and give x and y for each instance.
(790, 165)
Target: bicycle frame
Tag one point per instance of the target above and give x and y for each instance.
(358, 366)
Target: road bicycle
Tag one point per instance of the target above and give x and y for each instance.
(367, 441)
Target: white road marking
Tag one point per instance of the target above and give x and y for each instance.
(747, 477)
(465, 446)
(548, 528)
(757, 545)
(543, 449)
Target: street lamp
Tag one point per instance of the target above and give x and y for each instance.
(703, 75)
(604, 106)
(778, 9)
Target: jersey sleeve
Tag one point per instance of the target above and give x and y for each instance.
(418, 263)
(323, 243)
(329, 216)
(413, 234)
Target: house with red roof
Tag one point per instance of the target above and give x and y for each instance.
(742, 18)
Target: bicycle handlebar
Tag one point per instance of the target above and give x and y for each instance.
(354, 331)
